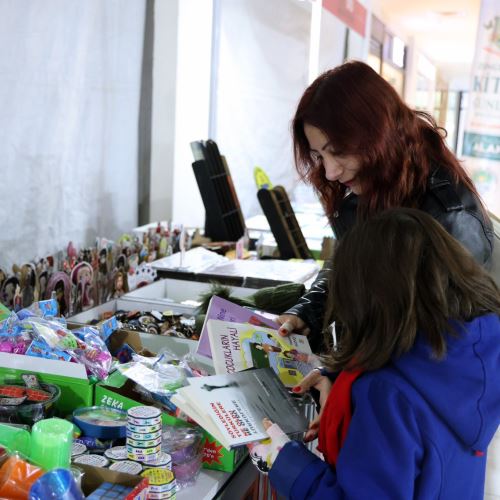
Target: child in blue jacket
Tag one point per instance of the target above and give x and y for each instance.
(417, 400)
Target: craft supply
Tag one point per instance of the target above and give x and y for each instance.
(51, 443)
(160, 481)
(101, 422)
(146, 436)
(146, 443)
(92, 459)
(16, 478)
(164, 461)
(78, 449)
(127, 466)
(141, 445)
(185, 446)
(146, 429)
(144, 415)
(116, 453)
(58, 484)
(143, 454)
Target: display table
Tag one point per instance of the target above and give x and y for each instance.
(213, 484)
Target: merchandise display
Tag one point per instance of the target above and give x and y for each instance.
(128, 425)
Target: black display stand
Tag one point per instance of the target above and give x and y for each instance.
(284, 226)
(223, 217)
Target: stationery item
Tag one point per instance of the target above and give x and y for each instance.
(161, 481)
(51, 443)
(58, 484)
(78, 449)
(101, 422)
(116, 453)
(163, 461)
(92, 459)
(225, 310)
(16, 478)
(231, 407)
(236, 347)
(144, 415)
(127, 466)
(185, 446)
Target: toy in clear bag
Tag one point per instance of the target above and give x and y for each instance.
(95, 355)
(185, 446)
(91, 352)
(160, 376)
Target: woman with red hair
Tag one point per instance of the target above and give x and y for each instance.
(364, 150)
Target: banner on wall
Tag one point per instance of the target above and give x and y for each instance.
(481, 144)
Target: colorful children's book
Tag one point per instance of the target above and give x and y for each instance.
(237, 346)
(231, 407)
(224, 310)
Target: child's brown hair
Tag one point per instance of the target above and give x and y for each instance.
(396, 274)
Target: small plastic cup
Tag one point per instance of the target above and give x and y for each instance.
(51, 443)
(16, 478)
(57, 484)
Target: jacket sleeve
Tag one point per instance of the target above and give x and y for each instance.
(311, 306)
(474, 232)
(380, 457)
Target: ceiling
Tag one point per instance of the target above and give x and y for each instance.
(444, 30)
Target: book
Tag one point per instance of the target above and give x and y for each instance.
(225, 310)
(231, 407)
(237, 346)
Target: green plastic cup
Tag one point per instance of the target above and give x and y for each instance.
(51, 442)
(15, 439)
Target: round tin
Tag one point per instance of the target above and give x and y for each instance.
(163, 461)
(143, 429)
(78, 449)
(101, 422)
(127, 466)
(143, 436)
(144, 412)
(144, 443)
(159, 477)
(92, 459)
(169, 495)
(116, 453)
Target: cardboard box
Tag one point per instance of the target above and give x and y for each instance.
(117, 392)
(76, 389)
(93, 477)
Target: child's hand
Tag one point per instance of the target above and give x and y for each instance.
(290, 323)
(264, 453)
(324, 386)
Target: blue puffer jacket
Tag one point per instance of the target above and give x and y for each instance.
(418, 430)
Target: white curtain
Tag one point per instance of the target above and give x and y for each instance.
(262, 72)
(69, 99)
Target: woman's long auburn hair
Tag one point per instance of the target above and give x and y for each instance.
(362, 115)
(398, 273)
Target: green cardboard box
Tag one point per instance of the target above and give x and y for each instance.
(117, 391)
(76, 389)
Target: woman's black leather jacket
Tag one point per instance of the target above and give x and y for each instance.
(455, 207)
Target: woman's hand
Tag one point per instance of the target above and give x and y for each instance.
(264, 453)
(290, 323)
(324, 386)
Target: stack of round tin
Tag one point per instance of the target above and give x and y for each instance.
(144, 434)
(162, 485)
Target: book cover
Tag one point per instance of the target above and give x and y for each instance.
(237, 346)
(231, 407)
(224, 310)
